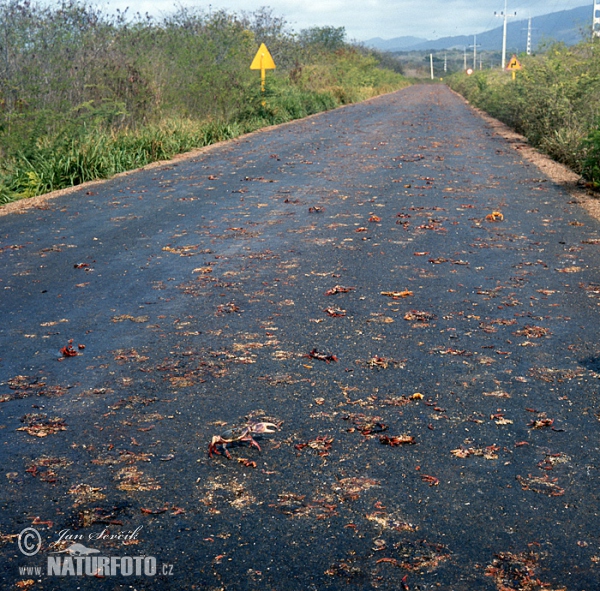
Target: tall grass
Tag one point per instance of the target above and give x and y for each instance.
(554, 102)
(85, 94)
(64, 161)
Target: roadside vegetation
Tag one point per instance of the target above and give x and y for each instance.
(85, 94)
(554, 102)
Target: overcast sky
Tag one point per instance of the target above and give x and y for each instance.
(365, 19)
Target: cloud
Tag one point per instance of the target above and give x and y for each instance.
(365, 19)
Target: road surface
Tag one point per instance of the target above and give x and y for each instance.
(391, 284)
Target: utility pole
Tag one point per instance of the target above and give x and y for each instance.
(596, 19)
(445, 63)
(465, 58)
(529, 37)
(505, 15)
(431, 64)
(475, 51)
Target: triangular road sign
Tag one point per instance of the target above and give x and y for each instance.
(262, 60)
(514, 64)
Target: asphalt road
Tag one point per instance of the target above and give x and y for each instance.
(415, 307)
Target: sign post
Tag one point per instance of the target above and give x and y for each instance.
(513, 65)
(262, 61)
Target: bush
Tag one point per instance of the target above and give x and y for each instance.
(591, 162)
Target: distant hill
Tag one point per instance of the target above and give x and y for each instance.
(565, 26)
(397, 44)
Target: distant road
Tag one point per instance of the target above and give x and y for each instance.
(414, 305)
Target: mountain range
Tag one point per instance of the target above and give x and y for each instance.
(566, 26)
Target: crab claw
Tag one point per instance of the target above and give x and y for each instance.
(212, 448)
(263, 428)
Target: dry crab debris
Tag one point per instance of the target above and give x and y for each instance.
(420, 556)
(377, 362)
(85, 493)
(295, 505)
(391, 521)
(489, 452)
(238, 435)
(430, 480)
(551, 375)
(339, 289)
(349, 489)
(517, 572)
(366, 425)
(452, 351)
(321, 444)
(228, 308)
(418, 316)
(24, 386)
(396, 401)
(552, 460)
(543, 485)
(397, 440)
(186, 251)
(232, 492)
(378, 318)
(541, 422)
(126, 355)
(532, 332)
(328, 358)
(335, 312)
(397, 294)
(38, 425)
(131, 478)
(136, 319)
(500, 419)
(497, 394)
(45, 468)
(69, 351)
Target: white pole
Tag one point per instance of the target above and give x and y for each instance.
(505, 15)
(431, 64)
(504, 38)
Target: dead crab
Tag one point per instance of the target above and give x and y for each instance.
(239, 434)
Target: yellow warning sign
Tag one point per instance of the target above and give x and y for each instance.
(263, 59)
(514, 64)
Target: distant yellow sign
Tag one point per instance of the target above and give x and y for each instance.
(263, 59)
(514, 64)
